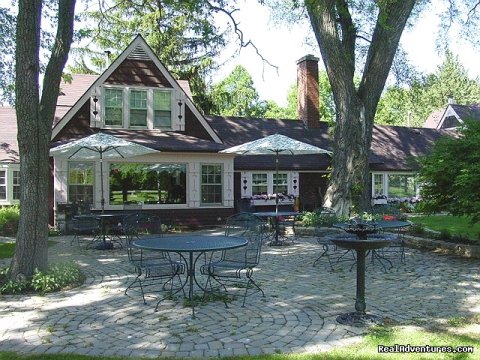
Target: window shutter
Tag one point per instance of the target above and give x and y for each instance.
(178, 110)
(96, 107)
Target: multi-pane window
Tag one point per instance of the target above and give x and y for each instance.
(3, 185)
(138, 108)
(16, 185)
(211, 184)
(378, 184)
(400, 186)
(281, 183)
(163, 183)
(162, 110)
(259, 184)
(80, 182)
(113, 107)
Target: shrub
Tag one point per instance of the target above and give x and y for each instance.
(9, 217)
(417, 229)
(58, 276)
(319, 218)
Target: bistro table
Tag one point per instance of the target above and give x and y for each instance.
(276, 216)
(361, 244)
(190, 244)
(103, 219)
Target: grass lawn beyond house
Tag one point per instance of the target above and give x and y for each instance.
(7, 249)
(456, 225)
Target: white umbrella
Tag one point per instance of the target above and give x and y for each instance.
(275, 144)
(100, 146)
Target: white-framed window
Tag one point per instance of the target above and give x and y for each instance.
(16, 185)
(138, 107)
(281, 183)
(147, 183)
(3, 184)
(378, 187)
(162, 109)
(81, 177)
(211, 184)
(401, 186)
(9, 184)
(113, 107)
(259, 184)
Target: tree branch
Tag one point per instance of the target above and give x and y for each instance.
(239, 32)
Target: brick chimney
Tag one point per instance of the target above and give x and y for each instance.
(307, 85)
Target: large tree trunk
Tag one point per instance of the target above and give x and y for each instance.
(34, 121)
(336, 34)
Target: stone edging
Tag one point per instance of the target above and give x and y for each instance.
(463, 250)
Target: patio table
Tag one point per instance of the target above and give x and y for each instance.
(189, 245)
(276, 216)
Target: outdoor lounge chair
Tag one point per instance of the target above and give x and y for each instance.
(234, 268)
(152, 267)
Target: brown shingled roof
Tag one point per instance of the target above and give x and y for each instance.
(392, 146)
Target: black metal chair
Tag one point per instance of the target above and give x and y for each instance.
(151, 267)
(245, 205)
(332, 252)
(85, 226)
(234, 268)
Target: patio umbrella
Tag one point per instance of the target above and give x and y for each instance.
(100, 146)
(275, 144)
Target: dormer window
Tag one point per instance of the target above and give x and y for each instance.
(162, 107)
(113, 107)
(137, 108)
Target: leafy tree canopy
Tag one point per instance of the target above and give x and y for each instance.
(451, 174)
(7, 43)
(182, 34)
(426, 94)
(236, 95)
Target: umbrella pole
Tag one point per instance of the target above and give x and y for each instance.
(102, 201)
(276, 184)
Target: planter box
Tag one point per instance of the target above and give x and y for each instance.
(271, 202)
(379, 201)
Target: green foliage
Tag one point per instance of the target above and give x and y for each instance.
(319, 218)
(182, 34)
(7, 73)
(58, 276)
(451, 174)
(236, 95)
(400, 105)
(9, 217)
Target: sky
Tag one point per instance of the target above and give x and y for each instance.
(283, 47)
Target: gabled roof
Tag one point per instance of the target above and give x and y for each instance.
(437, 119)
(138, 49)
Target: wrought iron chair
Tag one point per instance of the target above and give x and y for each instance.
(85, 225)
(332, 252)
(245, 205)
(151, 267)
(234, 268)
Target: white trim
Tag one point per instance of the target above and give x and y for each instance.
(138, 41)
(9, 169)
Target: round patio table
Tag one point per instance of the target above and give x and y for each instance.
(190, 244)
(276, 215)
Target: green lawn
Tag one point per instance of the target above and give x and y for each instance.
(367, 349)
(455, 224)
(7, 249)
